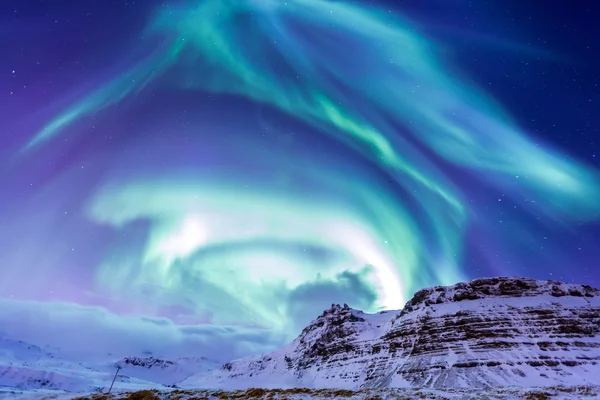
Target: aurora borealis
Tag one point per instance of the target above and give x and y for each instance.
(231, 167)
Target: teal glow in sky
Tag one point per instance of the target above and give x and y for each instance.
(330, 152)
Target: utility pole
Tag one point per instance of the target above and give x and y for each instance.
(113, 382)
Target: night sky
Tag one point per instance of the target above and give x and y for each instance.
(204, 177)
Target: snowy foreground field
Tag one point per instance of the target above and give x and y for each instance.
(559, 392)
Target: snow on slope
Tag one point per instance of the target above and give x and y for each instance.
(17, 351)
(487, 332)
(26, 366)
(166, 372)
(335, 331)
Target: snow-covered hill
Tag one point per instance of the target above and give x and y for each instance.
(166, 372)
(487, 332)
(25, 366)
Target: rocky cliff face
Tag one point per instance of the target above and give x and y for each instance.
(487, 332)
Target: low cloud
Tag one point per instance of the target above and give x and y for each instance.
(83, 332)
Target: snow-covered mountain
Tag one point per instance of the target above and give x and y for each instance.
(163, 371)
(487, 332)
(25, 366)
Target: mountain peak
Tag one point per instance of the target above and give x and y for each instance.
(335, 323)
(340, 311)
(496, 287)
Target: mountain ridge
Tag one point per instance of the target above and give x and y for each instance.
(487, 332)
(484, 332)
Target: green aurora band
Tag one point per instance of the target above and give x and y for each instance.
(369, 80)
